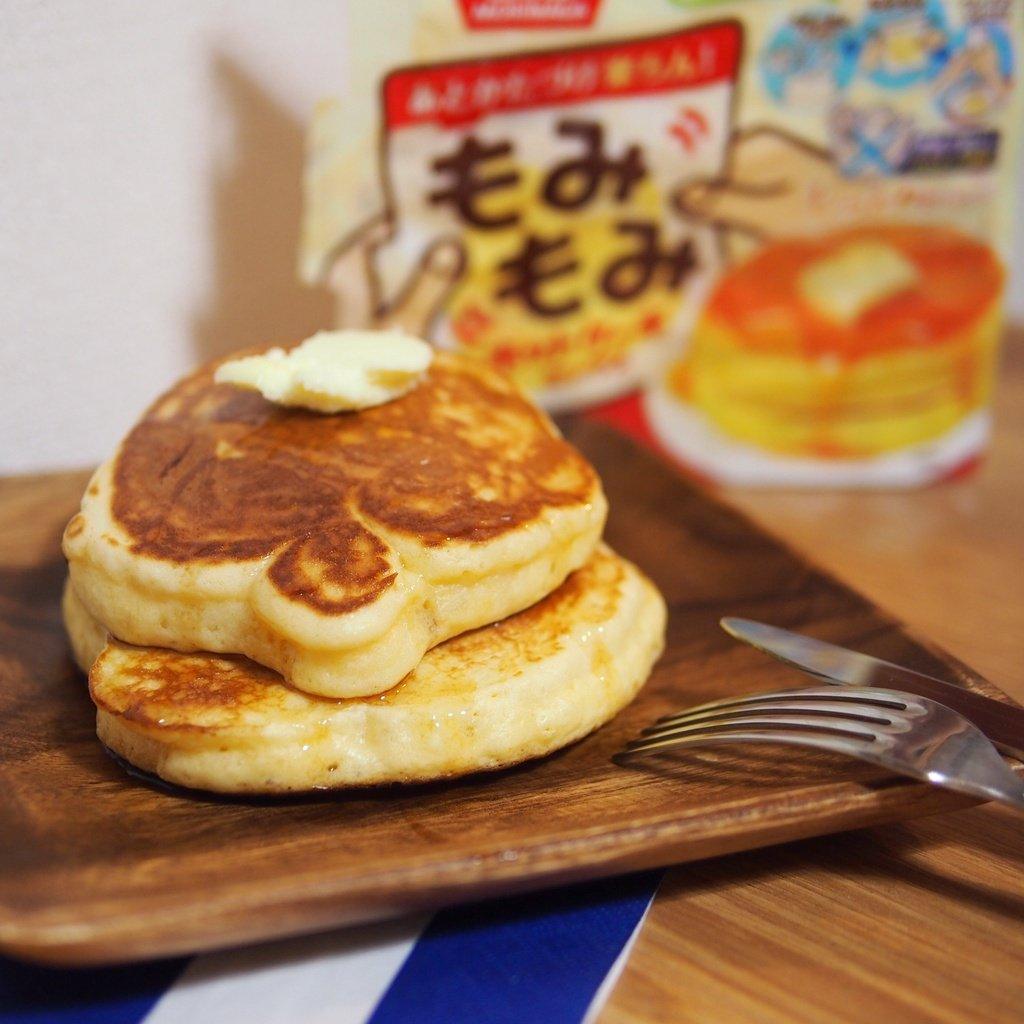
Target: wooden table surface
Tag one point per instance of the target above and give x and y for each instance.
(906, 923)
(915, 922)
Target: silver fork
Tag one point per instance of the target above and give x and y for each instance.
(908, 734)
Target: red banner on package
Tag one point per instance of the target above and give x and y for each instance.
(456, 94)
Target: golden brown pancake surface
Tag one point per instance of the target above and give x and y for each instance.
(165, 691)
(213, 473)
(491, 697)
(335, 549)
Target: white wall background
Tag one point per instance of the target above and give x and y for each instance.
(149, 202)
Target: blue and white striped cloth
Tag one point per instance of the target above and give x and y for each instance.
(546, 958)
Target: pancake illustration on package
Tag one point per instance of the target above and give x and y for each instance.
(335, 549)
(793, 371)
(860, 352)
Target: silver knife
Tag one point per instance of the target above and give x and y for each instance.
(1002, 723)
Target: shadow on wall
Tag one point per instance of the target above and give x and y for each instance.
(254, 295)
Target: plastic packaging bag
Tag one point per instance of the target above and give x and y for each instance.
(784, 223)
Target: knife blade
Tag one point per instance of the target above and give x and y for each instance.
(1002, 723)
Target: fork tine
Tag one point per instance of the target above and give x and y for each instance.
(833, 694)
(750, 733)
(851, 711)
(825, 725)
(922, 739)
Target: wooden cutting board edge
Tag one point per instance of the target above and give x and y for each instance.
(311, 903)
(314, 901)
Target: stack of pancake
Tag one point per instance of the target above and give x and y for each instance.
(271, 599)
(770, 369)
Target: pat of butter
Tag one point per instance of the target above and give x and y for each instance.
(334, 371)
(859, 276)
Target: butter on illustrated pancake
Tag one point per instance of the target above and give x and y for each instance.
(849, 346)
(335, 549)
(493, 697)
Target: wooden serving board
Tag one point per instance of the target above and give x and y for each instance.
(96, 866)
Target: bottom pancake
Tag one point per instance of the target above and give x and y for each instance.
(487, 699)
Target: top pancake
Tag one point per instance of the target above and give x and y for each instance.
(333, 549)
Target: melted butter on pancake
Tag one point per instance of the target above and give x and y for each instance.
(334, 371)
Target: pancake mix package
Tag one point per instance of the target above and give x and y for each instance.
(774, 232)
